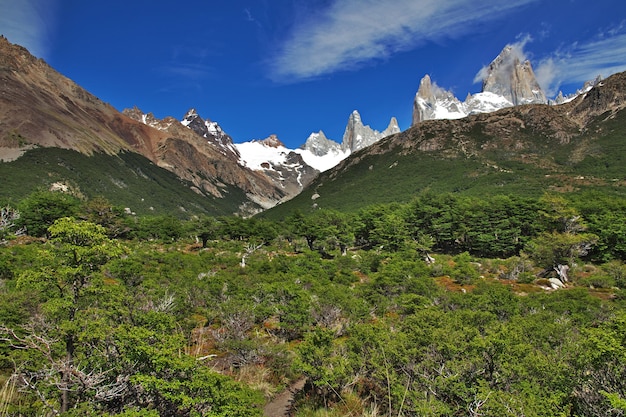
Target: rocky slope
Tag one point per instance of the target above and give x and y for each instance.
(40, 107)
(268, 159)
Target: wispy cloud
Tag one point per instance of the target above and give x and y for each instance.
(187, 69)
(583, 61)
(350, 33)
(517, 53)
(28, 23)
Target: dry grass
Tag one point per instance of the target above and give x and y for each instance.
(7, 395)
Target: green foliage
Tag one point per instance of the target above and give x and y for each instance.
(177, 384)
(391, 311)
(551, 249)
(40, 209)
(162, 228)
(465, 271)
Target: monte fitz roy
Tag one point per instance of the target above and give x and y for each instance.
(41, 110)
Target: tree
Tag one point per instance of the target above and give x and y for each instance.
(9, 217)
(162, 227)
(40, 209)
(99, 210)
(307, 227)
(205, 228)
(337, 229)
(383, 225)
(66, 280)
(559, 251)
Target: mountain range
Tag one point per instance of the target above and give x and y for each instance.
(525, 150)
(52, 132)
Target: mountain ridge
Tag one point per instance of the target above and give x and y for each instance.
(40, 108)
(526, 150)
(509, 80)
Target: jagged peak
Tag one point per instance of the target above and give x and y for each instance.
(425, 88)
(356, 116)
(392, 127)
(271, 141)
(316, 136)
(192, 112)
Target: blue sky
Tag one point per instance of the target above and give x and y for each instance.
(292, 67)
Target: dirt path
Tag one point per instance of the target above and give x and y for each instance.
(281, 404)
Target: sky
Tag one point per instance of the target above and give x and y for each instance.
(293, 67)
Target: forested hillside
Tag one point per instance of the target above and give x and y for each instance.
(447, 305)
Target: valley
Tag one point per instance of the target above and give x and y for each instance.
(466, 266)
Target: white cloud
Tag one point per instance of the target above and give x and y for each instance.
(580, 62)
(28, 23)
(351, 33)
(517, 53)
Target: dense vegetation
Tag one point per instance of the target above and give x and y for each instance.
(127, 178)
(442, 306)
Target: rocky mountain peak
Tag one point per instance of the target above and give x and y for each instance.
(433, 102)
(392, 127)
(191, 114)
(512, 77)
(319, 145)
(210, 130)
(425, 89)
(507, 81)
(272, 141)
(149, 118)
(13, 57)
(358, 136)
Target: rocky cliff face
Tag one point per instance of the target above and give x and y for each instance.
(319, 145)
(211, 131)
(433, 102)
(509, 77)
(507, 81)
(358, 136)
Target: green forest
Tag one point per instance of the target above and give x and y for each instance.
(447, 305)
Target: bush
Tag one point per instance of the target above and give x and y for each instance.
(465, 271)
(597, 281)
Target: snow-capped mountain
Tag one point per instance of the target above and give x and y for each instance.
(210, 130)
(560, 98)
(269, 158)
(510, 77)
(286, 167)
(507, 81)
(323, 153)
(358, 136)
